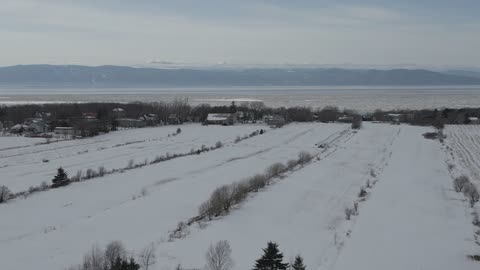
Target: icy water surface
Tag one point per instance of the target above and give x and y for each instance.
(361, 98)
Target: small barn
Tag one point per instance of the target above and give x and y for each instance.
(221, 119)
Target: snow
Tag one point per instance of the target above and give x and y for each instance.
(411, 219)
(22, 167)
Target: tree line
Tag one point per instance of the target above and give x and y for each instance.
(217, 257)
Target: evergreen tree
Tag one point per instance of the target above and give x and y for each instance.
(61, 178)
(298, 264)
(272, 259)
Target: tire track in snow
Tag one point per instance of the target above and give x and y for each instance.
(329, 255)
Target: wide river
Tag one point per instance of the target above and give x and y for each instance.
(361, 98)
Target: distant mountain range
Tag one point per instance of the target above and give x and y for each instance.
(119, 76)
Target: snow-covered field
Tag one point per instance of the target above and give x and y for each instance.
(411, 219)
(463, 143)
(22, 167)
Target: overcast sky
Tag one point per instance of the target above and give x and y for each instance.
(135, 32)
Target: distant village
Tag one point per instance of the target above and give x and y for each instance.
(69, 121)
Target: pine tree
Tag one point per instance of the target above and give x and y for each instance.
(61, 178)
(298, 264)
(272, 259)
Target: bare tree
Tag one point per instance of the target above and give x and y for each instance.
(304, 157)
(239, 192)
(460, 182)
(114, 251)
(93, 260)
(219, 256)
(4, 194)
(257, 182)
(349, 212)
(147, 256)
(275, 170)
(471, 192)
(292, 164)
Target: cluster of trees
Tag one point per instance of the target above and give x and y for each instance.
(72, 114)
(115, 257)
(218, 257)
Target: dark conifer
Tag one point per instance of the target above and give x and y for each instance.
(61, 178)
(272, 259)
(298, 264)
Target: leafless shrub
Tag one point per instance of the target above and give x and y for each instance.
(94, 259)
(355, 207)
(77, 177)
(471, 192)
(275, 170)
(101, 171)
(220, 201)
(44, 185)
(130, 164)
(368, 184)
(147, 256)
(219, 256)
(5, 194)
(205, 209)
(476, 220)
(349, 212)
(180, 232)
(237, 139)
(373, 173)
(113, 251)
(291, 164)
(460, 182)
(218, 144)
(450, 166)
(362, 193)
(257, 182)
(90, 174)
(304, 157)
(239, 192)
